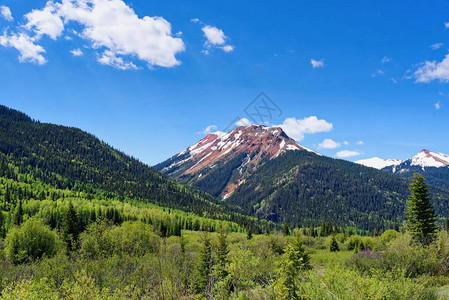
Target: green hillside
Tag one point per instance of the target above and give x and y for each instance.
(302, 188)
(70, 159)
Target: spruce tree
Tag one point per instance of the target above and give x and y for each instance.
(334, 245)
(70, 228)
(18, 214)
(2, 225)
(222, 254)
(421, 217)
(249, 234)
(205, 265)
(286, 230)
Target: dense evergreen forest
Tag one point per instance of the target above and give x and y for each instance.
(300, 187)
(70, 159)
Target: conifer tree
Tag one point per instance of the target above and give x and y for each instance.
(70, 228)
(446, 224)
(421, 217)
(2, 225)
(334, 245)
(249, 234)
(222, 254)
(286, 230)
(18, 214)
(205, 265)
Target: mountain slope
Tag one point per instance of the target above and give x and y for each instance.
(434, 166)
(220, 162)
(300, 187)
(252, 167)
(68, 158)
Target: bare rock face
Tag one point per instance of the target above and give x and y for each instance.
(228, 158)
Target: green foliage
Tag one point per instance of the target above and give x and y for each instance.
(29, 242)
(205, 266)
(388, 236)
(18, 214)
(333, 247)
(70, 228)
(300, 187)
(421, 217)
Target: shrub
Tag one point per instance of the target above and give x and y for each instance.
(29, 242)
(388, 236)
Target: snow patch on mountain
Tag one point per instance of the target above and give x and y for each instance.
(378, 163)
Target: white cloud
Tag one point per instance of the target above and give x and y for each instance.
(209, 129)
(329, 144)
(317, 63)
(377, 73)
(45, 21)
(347, 153)
(437, 105)
(29, 51)
(394, 80)
(195, 20)
(214, 35)
(297, 129)
(6, 13)
(432, 70)
(360, 143)
(446, 24)
(77, 52)
(215, 38)
(243, 122)
(109, 58)
(228, 48)
(436, 46)
(385, 59)
(346, 143)
(112, 28)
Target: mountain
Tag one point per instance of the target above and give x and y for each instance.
(434, 167)
(253, 168)
(220, 162)
(69, 158)
(378, 163)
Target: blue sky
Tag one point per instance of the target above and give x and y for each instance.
(148, 76)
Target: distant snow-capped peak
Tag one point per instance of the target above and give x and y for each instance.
(379, 163)
(427, 158)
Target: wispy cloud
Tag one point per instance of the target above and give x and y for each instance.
(436, 46)
(215, 38)
(317, 63)
(438, 105)
(209, 129)
(377, 73)
(5, 12)
(76, 52)
(385, 59)
(347, 153)
(433, 70)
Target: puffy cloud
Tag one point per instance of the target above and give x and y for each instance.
(214, 35)
(215, 38)
(45, 21)
(297, 129)
(112, 28)
(437, 105)
(347, 153)
(432, 70)
(436, 46)
(329, 144)
(317, 63)
(446, 24)
(243, 122)
(209, 129)
(29, 51)
(76, 52)
(6, 13)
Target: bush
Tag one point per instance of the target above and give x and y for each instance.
(388, 236)
(29, 242)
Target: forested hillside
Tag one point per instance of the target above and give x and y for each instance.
(302, 188)
(70, 159)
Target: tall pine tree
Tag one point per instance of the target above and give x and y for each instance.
(70, 228)
(421, 217)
